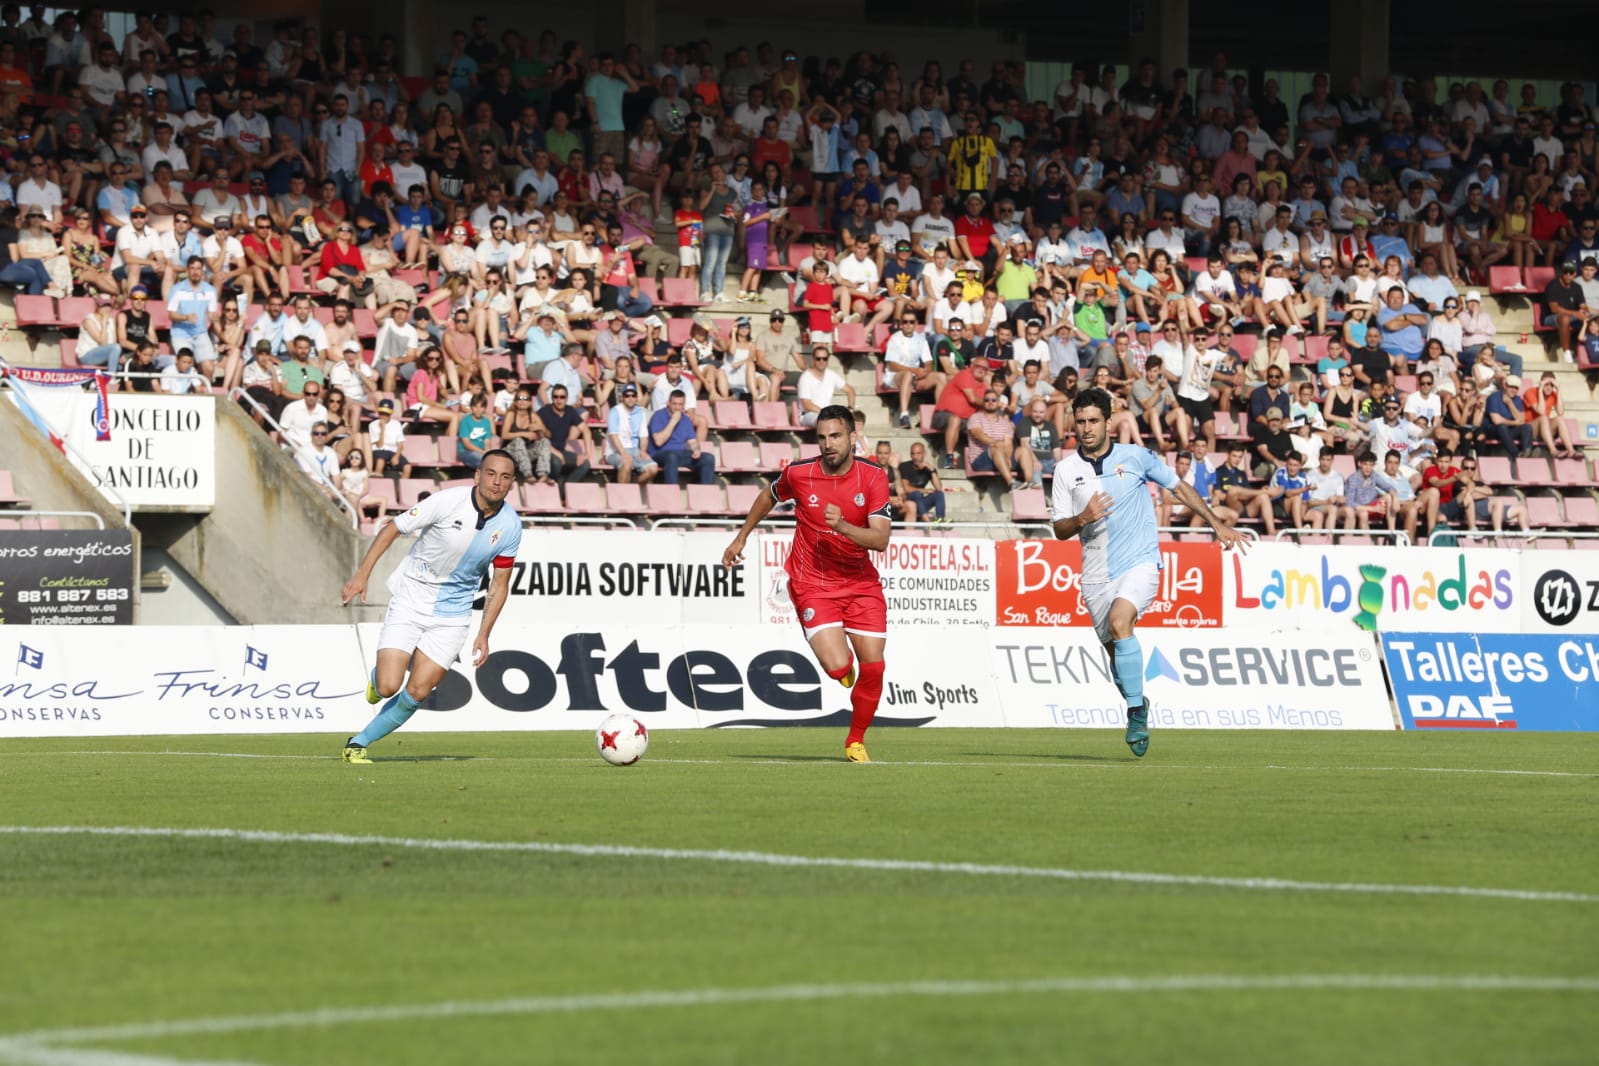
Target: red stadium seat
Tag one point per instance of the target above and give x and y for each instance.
(775, 455)
(420, 450)
(680, 292)
(732, 414)
(411, 489)
(1504, 279)
(35, 311)
(1028, 505)
(740, 498)
(1543, 512)
(1582, 511)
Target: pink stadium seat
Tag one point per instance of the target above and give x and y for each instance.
(1538, 278)
(1244, 344)
(1027, 505)
(366, 326)
(808, 450)
(680, 292)
(420, 450)
(624, 498)
(35, 311)
(771, 414)
(384, 489)
(1496, 470)
(775, 454)
(1543, 512)
(738, 457)
(851, 338)
(1344, 464)
(677, 331)
(447, 453)
(704, 500)
(740, 498)
(411, 490)
(732, 414)
(541, 499)
(1405, 383)
(1582, 511)
(666, 500)
(160, 317)
(1503, 279)
(585, 497)
(1573, 472)
(74, 309)
(1533, 471)
(647, 287)
(69, 352)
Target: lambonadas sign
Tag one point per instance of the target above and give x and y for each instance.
(1285, 586)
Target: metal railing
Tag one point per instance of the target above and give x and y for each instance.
(1439, 535)
(83, 462)
(1400, 538)
(99, 523)
(239, 395)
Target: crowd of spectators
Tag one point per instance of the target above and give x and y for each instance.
(1185, 239)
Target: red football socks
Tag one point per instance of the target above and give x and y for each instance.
(863, 699)
(842, 672)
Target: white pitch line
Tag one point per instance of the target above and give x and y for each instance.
(26, 1053)
(1040, 764)
(707, 997)
(762, 858)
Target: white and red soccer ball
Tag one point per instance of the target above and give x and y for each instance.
(622, 740)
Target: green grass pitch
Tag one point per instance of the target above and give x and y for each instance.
(161, 949)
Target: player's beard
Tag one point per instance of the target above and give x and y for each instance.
(833, 467)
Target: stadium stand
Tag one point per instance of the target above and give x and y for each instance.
(532, 267)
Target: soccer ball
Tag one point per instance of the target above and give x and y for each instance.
(622, 740)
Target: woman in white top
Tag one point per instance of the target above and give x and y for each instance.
(1393, 273)
(1432, 233)
(1130, 241)
(227, 337)
(645, 167)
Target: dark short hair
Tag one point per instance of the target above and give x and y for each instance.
(839, 412)
(1092, 398)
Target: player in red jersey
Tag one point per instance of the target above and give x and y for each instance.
(841, 514)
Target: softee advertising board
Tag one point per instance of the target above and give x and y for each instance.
(1495, 681)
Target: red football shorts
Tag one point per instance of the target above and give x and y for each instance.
(858, 606)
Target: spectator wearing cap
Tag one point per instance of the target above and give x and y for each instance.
(674, 444)
(225, 260)
(974, 235)
(1477, 329)
(1507, 418)
(1567, 305)
(613, 341)
(138, 259)
(902, 282)
(352, 376)
(542, 341)
(626, 436)
(776, 352)
(1390, 242)
(97, 332)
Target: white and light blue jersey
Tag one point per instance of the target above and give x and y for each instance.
(457, 543)
(1127, 537)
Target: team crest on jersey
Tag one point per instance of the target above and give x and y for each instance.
(494, 538)
(860, 499)
(415, 512)
(810, 612)
(1119, 473)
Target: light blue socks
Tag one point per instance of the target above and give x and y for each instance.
(395, 713)
(1130, 672)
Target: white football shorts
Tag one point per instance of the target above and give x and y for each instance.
(1137, 586)
(409, 630)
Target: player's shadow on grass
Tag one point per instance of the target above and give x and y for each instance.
(427, 758)
(1051, 756)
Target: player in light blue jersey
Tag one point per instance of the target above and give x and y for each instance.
(461, 532)
(1101, 495)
